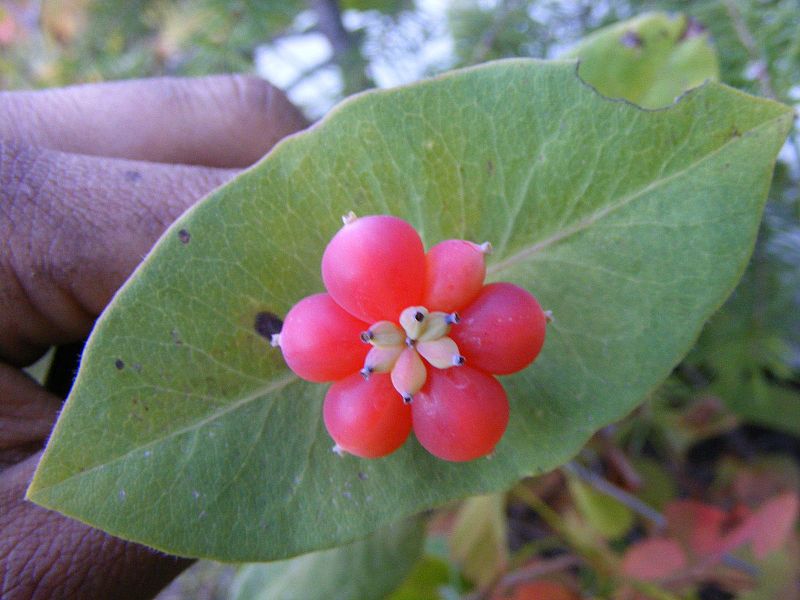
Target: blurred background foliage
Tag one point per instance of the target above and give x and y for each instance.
(724, 424)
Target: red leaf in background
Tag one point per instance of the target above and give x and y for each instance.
(698, 525)
(772, 523)
(707, 530)
(9, 30)
(539, 590)
(654, 559)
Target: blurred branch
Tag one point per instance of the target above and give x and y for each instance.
(644, 510)
(329, 22)
(346, 51)
(749, 43)
(540, 569)
(617, 459)
(599, 483)
(526, 574)
(604, 565)
(588, 553)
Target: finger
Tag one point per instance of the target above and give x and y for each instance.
(72, 229)
(27, 413)
(219, 121)
(44, 555)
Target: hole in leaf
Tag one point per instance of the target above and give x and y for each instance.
(267, 324)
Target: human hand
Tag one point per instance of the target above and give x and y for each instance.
(89, 178)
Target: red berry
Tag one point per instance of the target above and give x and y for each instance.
(374, 267)
(502, 331)
(366, 417)
(455, 270)
(460, 414)
(320, 341)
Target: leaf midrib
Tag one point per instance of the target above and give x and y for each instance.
(529, 251)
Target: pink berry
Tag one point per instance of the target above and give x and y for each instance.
(322, 342)
(455, 270)
(502, 331)
(366, 417)
(374, 267)
(460, 414)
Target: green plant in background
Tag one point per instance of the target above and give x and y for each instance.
(631, 225)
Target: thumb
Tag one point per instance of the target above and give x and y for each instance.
(44, 555)
(73, 228)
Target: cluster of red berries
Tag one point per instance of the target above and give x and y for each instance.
(412, 341)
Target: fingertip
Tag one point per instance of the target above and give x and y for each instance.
(218, 121)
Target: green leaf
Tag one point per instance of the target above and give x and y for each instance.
(369, 568)
(423, 583)
(650, 59)
(479, 539)
(658, 486)
(750, 345)
(186, 431)
(606, 515)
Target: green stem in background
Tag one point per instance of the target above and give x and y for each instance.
(644, 510)
(588, 553)
(608, 488)
(603, 564)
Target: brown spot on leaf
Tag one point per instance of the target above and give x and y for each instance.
(184, 236)
(119, 364)
(267, 324)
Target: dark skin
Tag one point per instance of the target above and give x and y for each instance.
(89, 178)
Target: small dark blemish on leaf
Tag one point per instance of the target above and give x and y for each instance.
(490, 167)
(735, 133)
(184, 236)
(132, 176)
(176, 339)
(119, 364)
(631, 39)
(137, 367)
(362, 476)
(267, 324)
